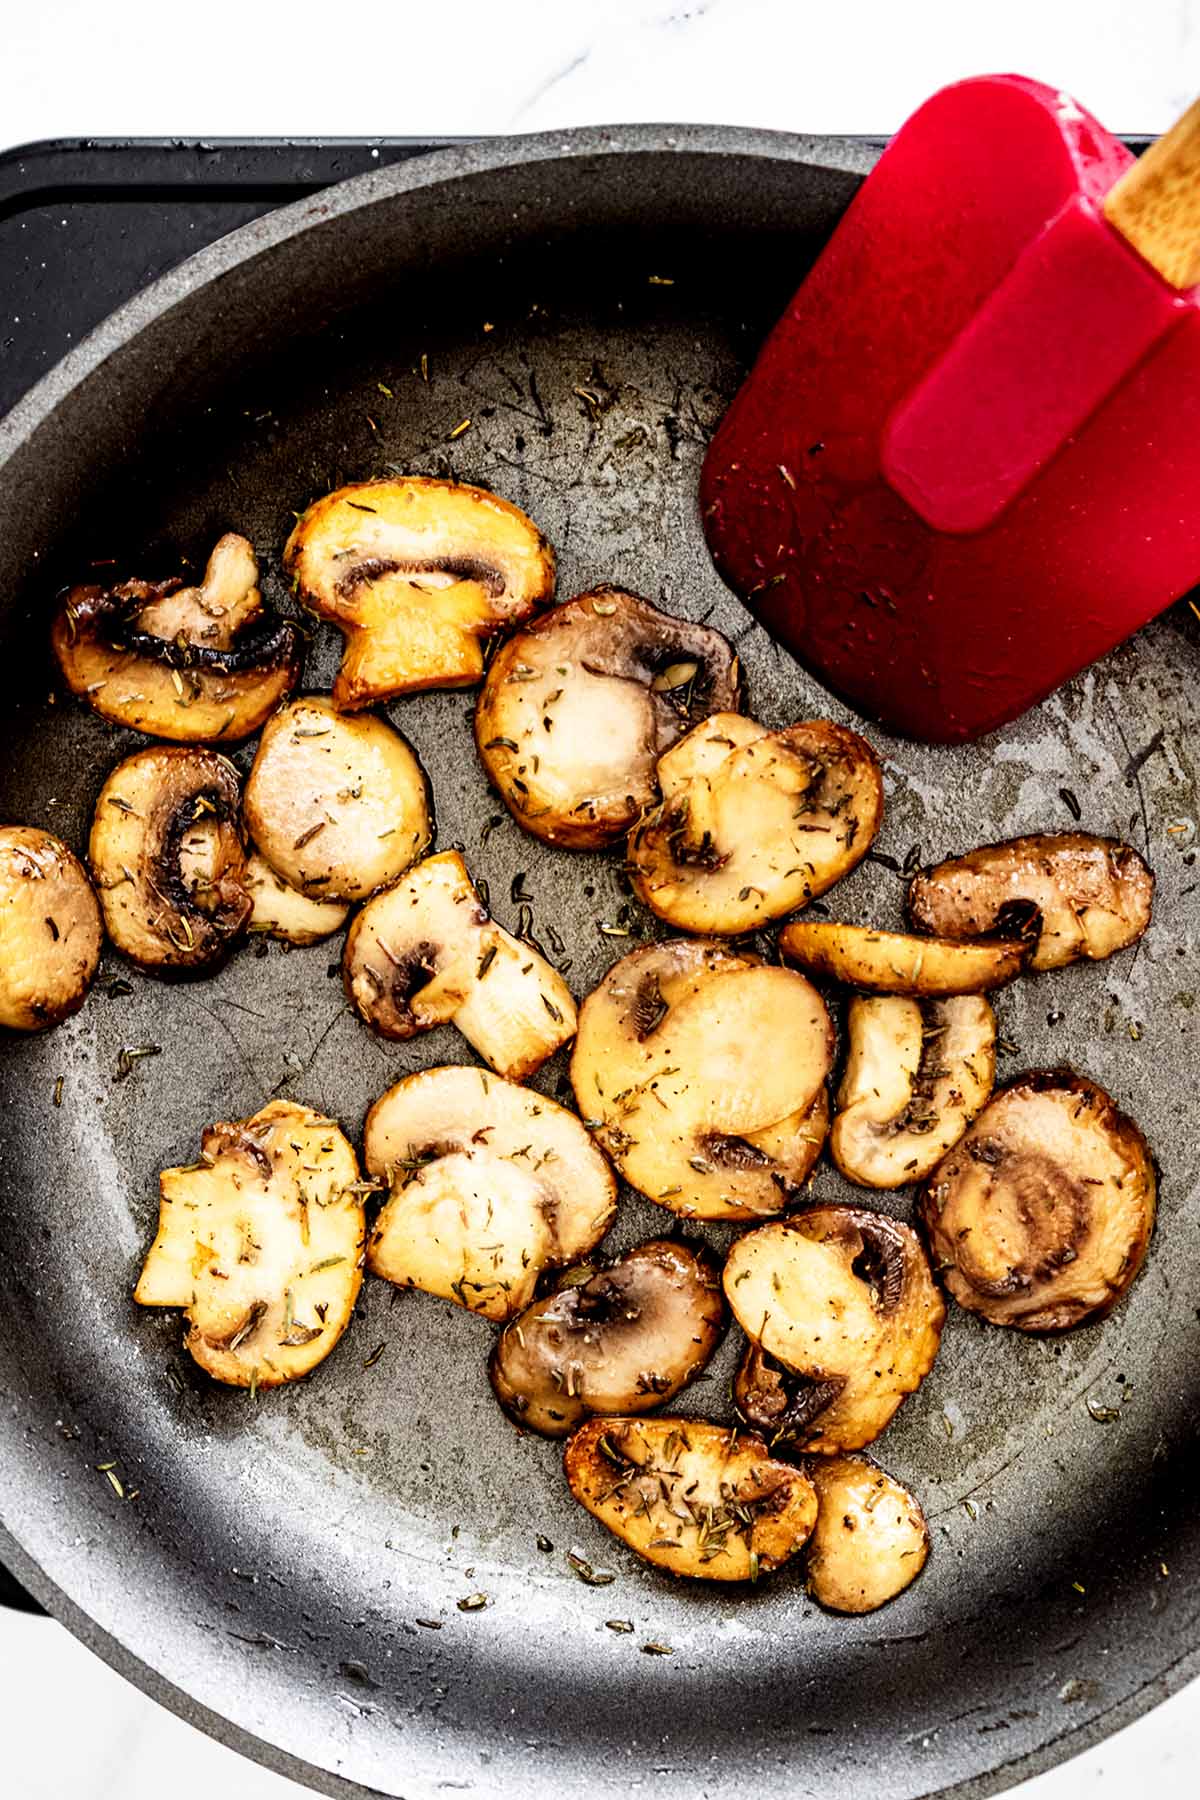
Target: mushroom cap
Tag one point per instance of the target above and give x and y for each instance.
(917, 1072)
(490, 1183)
(844, 1301)
(338, 806)
(1041, 1216)
(702, 1072)
(50, 930)
(894, 962)
(754, 823)
(195, 664)
(416, 572)
(1080, 897)
(578, 706)
(870, 1540)
(691, 1497)
(620, 1339)
(261, 1243)
(168, 859)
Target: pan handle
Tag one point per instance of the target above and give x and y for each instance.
(14, 1595)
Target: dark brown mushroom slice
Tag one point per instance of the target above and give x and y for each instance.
(1079, 897)
(752, 823)
(621, 1339)
(578, 707)
(702, 1072)
(896, 962)
(844, 1300)
(917, 1072)
(50, 931)
(205, 663)
(168, 859)
(691, 1497)
(870, 1540)
(417, 574)
(1041, 1216)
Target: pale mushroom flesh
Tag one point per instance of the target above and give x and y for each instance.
(50, 930)
(870, 1540)
(283, 912)
(896, 962)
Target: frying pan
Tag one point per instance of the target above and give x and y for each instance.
(285, 1572)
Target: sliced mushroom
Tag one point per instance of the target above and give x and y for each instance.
(870, 1539)
(578, 707)
(50, 932)
(754, 823)
(168, 859)
(621, 1339)
(490, 1184)
(427, 951)
(844, 1306)
(337, 806)
(1079, 897)
(284, 912)
(691, 1497)
(702, 1073)
(1041, 1217)
(201, 664)
(416, 573)
(261, 1243)
(916, 1074)
(892, 962)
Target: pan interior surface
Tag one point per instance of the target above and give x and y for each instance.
(295, 1563)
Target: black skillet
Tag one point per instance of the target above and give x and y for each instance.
(285, 1573)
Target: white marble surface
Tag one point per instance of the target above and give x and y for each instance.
(136, 67)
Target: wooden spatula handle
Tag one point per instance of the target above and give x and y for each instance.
(1156, 204)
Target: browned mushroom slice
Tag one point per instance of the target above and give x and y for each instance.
(427, 951)
(892, 962)
(202, 664)
(621, 1339)
(1041, 1216)
(870, 1539)
(702, 1073)
(1079, 897)
(579, 706)
(50, 933)
(691, 1497)
(416, 573)
(916, 1074)
(490, 1184)
(337, 806)
(754, 824)
(261, 1243)
(168, 860)
(284, 912)
(845, 1302)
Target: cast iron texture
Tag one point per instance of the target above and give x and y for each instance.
(589, 300)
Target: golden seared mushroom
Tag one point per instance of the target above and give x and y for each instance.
(490, 1184)
(892, 962)
(1041, 1216)
(284, 912)
(1079, 897)
(916, 1074)
(578, 707)
(427, 951)
(754, 823)
(337, 806)
(692, 1497)
(870, 1539)
(416, 573)
(702, 1073)
(168, 859)
(200, 664)
(50, 932)
(843, 1308)
(621, 1339)
(261, 1243)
